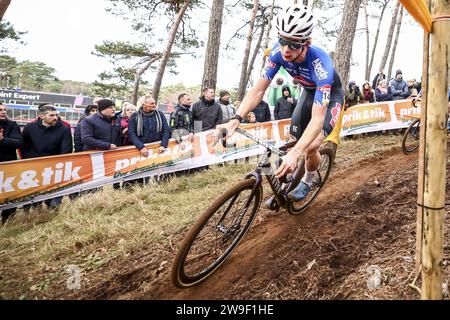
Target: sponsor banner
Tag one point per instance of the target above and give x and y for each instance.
(372, 117)
(31, 180)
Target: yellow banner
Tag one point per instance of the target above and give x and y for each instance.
(419, 10)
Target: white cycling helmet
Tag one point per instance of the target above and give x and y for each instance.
(295, 21)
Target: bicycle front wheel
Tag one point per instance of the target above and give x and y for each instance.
(215, 235)
(411, 138)
(327, 153)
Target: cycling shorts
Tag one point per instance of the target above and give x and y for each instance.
(302, 112)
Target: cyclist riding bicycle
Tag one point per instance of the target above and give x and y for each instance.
(319, 104)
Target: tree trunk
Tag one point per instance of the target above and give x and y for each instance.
(167, 51)
(433, 154)
(389, 38)
(242, 82)
(344, 44)
(267, 37)
(366, 15)
(255, 53)
(212, 48)
(137, 77)
(375, 42)
(3, 6)
(394, 47)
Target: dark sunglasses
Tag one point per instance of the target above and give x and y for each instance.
(292, 45)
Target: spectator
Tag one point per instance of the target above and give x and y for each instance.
(46, 137)
(148, 125)
(206, 112)
(378, 77)
(78, 142)
(101, 131)
(383, 92)
(228, 111)
(237, 103)
(64, 122)
(250, 118)
(262, 112)
(181, 120)
(367, 93)
(353, 96)
(128, 109)
(285, 105)
(418, 86)
(399, 88)
(411, 89)
(10, 140)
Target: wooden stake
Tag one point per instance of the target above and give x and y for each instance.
(421, 171)
(435, 154)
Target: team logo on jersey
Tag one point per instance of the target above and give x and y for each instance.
(304, 82)
(270, 64)
(335, 114)
(326, 91)
(320, 72)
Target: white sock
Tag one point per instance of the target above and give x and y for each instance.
(308, 177)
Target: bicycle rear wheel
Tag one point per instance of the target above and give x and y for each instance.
(215, 235)
(327, 153)
(411, 138)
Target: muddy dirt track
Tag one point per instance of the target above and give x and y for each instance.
(366, 215)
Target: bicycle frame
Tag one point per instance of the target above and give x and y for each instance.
(263, 164)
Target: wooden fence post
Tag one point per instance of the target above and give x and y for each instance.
(435, 152)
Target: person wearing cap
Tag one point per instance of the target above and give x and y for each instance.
(101, 131)
(353, 95)
(285, 105)
(399, 87)
(77, 141)
(228, 111)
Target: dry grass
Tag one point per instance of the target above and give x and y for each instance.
(97, 227)
(92, 230)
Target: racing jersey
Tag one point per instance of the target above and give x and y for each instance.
(316, 72)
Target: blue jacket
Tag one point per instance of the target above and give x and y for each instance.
(98, 132)
(383, 96)
(150, 134)
(399, 89)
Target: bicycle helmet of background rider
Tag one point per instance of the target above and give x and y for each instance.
(296, 22)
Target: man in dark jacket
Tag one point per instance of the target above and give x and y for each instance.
(10, 137)
(10, 140)
(285, 105)
(47, 136)
(148, 125)
(262, 112)
(101, 131)
(207, 112)
(77, 141)
(181, 120)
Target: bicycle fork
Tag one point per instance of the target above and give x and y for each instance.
(236, 225)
